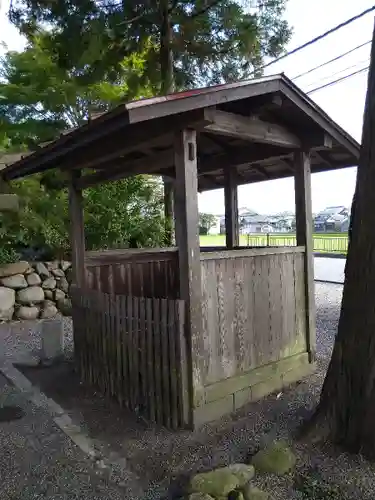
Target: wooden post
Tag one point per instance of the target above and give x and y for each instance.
(168, 211)
(232, 235)
(304, 234)
(186, 210)
(77, 234)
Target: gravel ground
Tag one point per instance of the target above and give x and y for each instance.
(162, 460)
(38, 461)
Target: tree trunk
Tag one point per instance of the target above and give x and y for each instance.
(346, 411)
(166, 54)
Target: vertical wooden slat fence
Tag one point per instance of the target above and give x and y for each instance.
(136, 273)
(133, 349)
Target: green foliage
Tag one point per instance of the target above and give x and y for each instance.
(212, 41)
(206, 222)
(39, 100)
(125, 212)
(116, 215)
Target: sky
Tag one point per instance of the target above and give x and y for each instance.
(344, 102)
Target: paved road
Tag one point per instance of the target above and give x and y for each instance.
(329, 269)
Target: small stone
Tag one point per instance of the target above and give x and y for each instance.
(7, 300)
(42, 270)
(62, 284)
(48, 311)
(59, 295)
(28, 271)
(15, 268)
(31, 295)
(48, 302)
(243, 472)
(17, 282)
(276, 458)
(49, 284)
(25, 312)
(6, 314)
(252, 493)
(33, 279)
(65, 307)
(65, 265)
(217, 483)
(52, 265)
(58, 273)
(48, 294)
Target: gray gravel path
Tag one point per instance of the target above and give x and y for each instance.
(38, 461)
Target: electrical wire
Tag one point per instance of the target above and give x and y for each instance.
(331, 60)
(320, 37)
(334, 82)
(329, 77)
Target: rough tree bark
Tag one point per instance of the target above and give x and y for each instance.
(166, 53)
(346, 411)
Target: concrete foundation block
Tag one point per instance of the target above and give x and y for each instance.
(52, 339)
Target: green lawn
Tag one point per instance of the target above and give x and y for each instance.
(322, 242)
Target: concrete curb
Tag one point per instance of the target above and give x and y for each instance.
(114, 464)
(54, 410)
(329, 282)
(330, 255)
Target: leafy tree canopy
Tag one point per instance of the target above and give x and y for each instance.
(39, 101)
(206, 222)
(205, 41)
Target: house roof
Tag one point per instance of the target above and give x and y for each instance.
(137, 137)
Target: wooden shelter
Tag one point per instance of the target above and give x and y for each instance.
(184, 335)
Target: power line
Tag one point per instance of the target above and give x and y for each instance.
(320, 37)
(331, 60)
(352, 66)
(329, 84)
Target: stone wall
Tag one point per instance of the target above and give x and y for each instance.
(34, 290)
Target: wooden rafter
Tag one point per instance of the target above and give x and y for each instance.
(250, 129)
(145, 165)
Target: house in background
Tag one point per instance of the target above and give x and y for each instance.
(255, 224)
(331, 219)
(243, 214)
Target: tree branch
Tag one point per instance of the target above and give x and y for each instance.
(203, 10)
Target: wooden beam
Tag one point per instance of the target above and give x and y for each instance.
(232, 236)
(240, 156)
(121, 170)
(186, 210)
(168, 210)
(137, 136)
(77, 235)
(105, 162)
(288, 164)
(250, 129)
(304, 233)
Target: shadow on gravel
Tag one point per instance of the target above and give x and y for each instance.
(159, 456)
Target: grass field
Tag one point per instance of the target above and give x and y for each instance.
(329, 243)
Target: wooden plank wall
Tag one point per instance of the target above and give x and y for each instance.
(133, 349)
(253, 310)
(139, 273)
